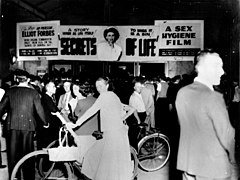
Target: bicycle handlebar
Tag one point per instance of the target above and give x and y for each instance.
(69, 129)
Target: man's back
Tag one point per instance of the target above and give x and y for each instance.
(147, 97)
(23, 105)
(148, 100)
(206, 132)
(24, 109)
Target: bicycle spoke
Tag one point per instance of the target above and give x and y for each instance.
(153, 152)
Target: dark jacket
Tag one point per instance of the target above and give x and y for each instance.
(207, 137)
(24, 108)
(46, 135)
(49, 106)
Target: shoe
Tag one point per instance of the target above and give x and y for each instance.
(3, 166)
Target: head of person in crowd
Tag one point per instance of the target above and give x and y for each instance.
(8, 81)
(89, 91)
(209, 67)
(66, 86)
(35, 81)
(76, 90)
(176, 79)
(104, 84)
(22, 76)
(50, 88)
(88, 88)
(138, 84)
(111, 35)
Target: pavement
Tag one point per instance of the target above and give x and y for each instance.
(162, 174)
(168, 172)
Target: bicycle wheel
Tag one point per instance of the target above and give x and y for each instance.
(17, 173)
(45, 166)
(153, 152)
(134, 161)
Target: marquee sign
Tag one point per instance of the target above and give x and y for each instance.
(164, 41)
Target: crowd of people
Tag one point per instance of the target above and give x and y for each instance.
(192, 110)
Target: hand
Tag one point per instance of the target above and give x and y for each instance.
(70, 125)
(64, 111)
(55, 113)
(232, 158)
(233, 162)
(231, 152)
(46, 126)
(58, 114)
(4, 116)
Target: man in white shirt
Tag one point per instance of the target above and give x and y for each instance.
(64, 100)
(137, 102)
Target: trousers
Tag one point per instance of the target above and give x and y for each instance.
(20, 143)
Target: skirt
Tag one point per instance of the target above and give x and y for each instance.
(109, 158)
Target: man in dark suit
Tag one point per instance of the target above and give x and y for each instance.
(206, 146)
(48, 135)
(24, 108)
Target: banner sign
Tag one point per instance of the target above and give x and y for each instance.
(78, 42)
(140, 43)
(37, 40)
(84, 42)
(180, 38)
(164, 41)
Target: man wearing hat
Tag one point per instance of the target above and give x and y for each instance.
(109, 50)
(23, 105)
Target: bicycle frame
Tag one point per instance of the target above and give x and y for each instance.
(70, 168)
(153, 146)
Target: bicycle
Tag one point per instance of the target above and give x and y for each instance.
(61, 169)
(153, 149)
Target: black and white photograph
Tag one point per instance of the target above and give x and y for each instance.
(120, 90)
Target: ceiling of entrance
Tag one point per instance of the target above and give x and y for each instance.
(116, 11)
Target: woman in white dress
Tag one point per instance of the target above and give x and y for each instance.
(109, 158)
